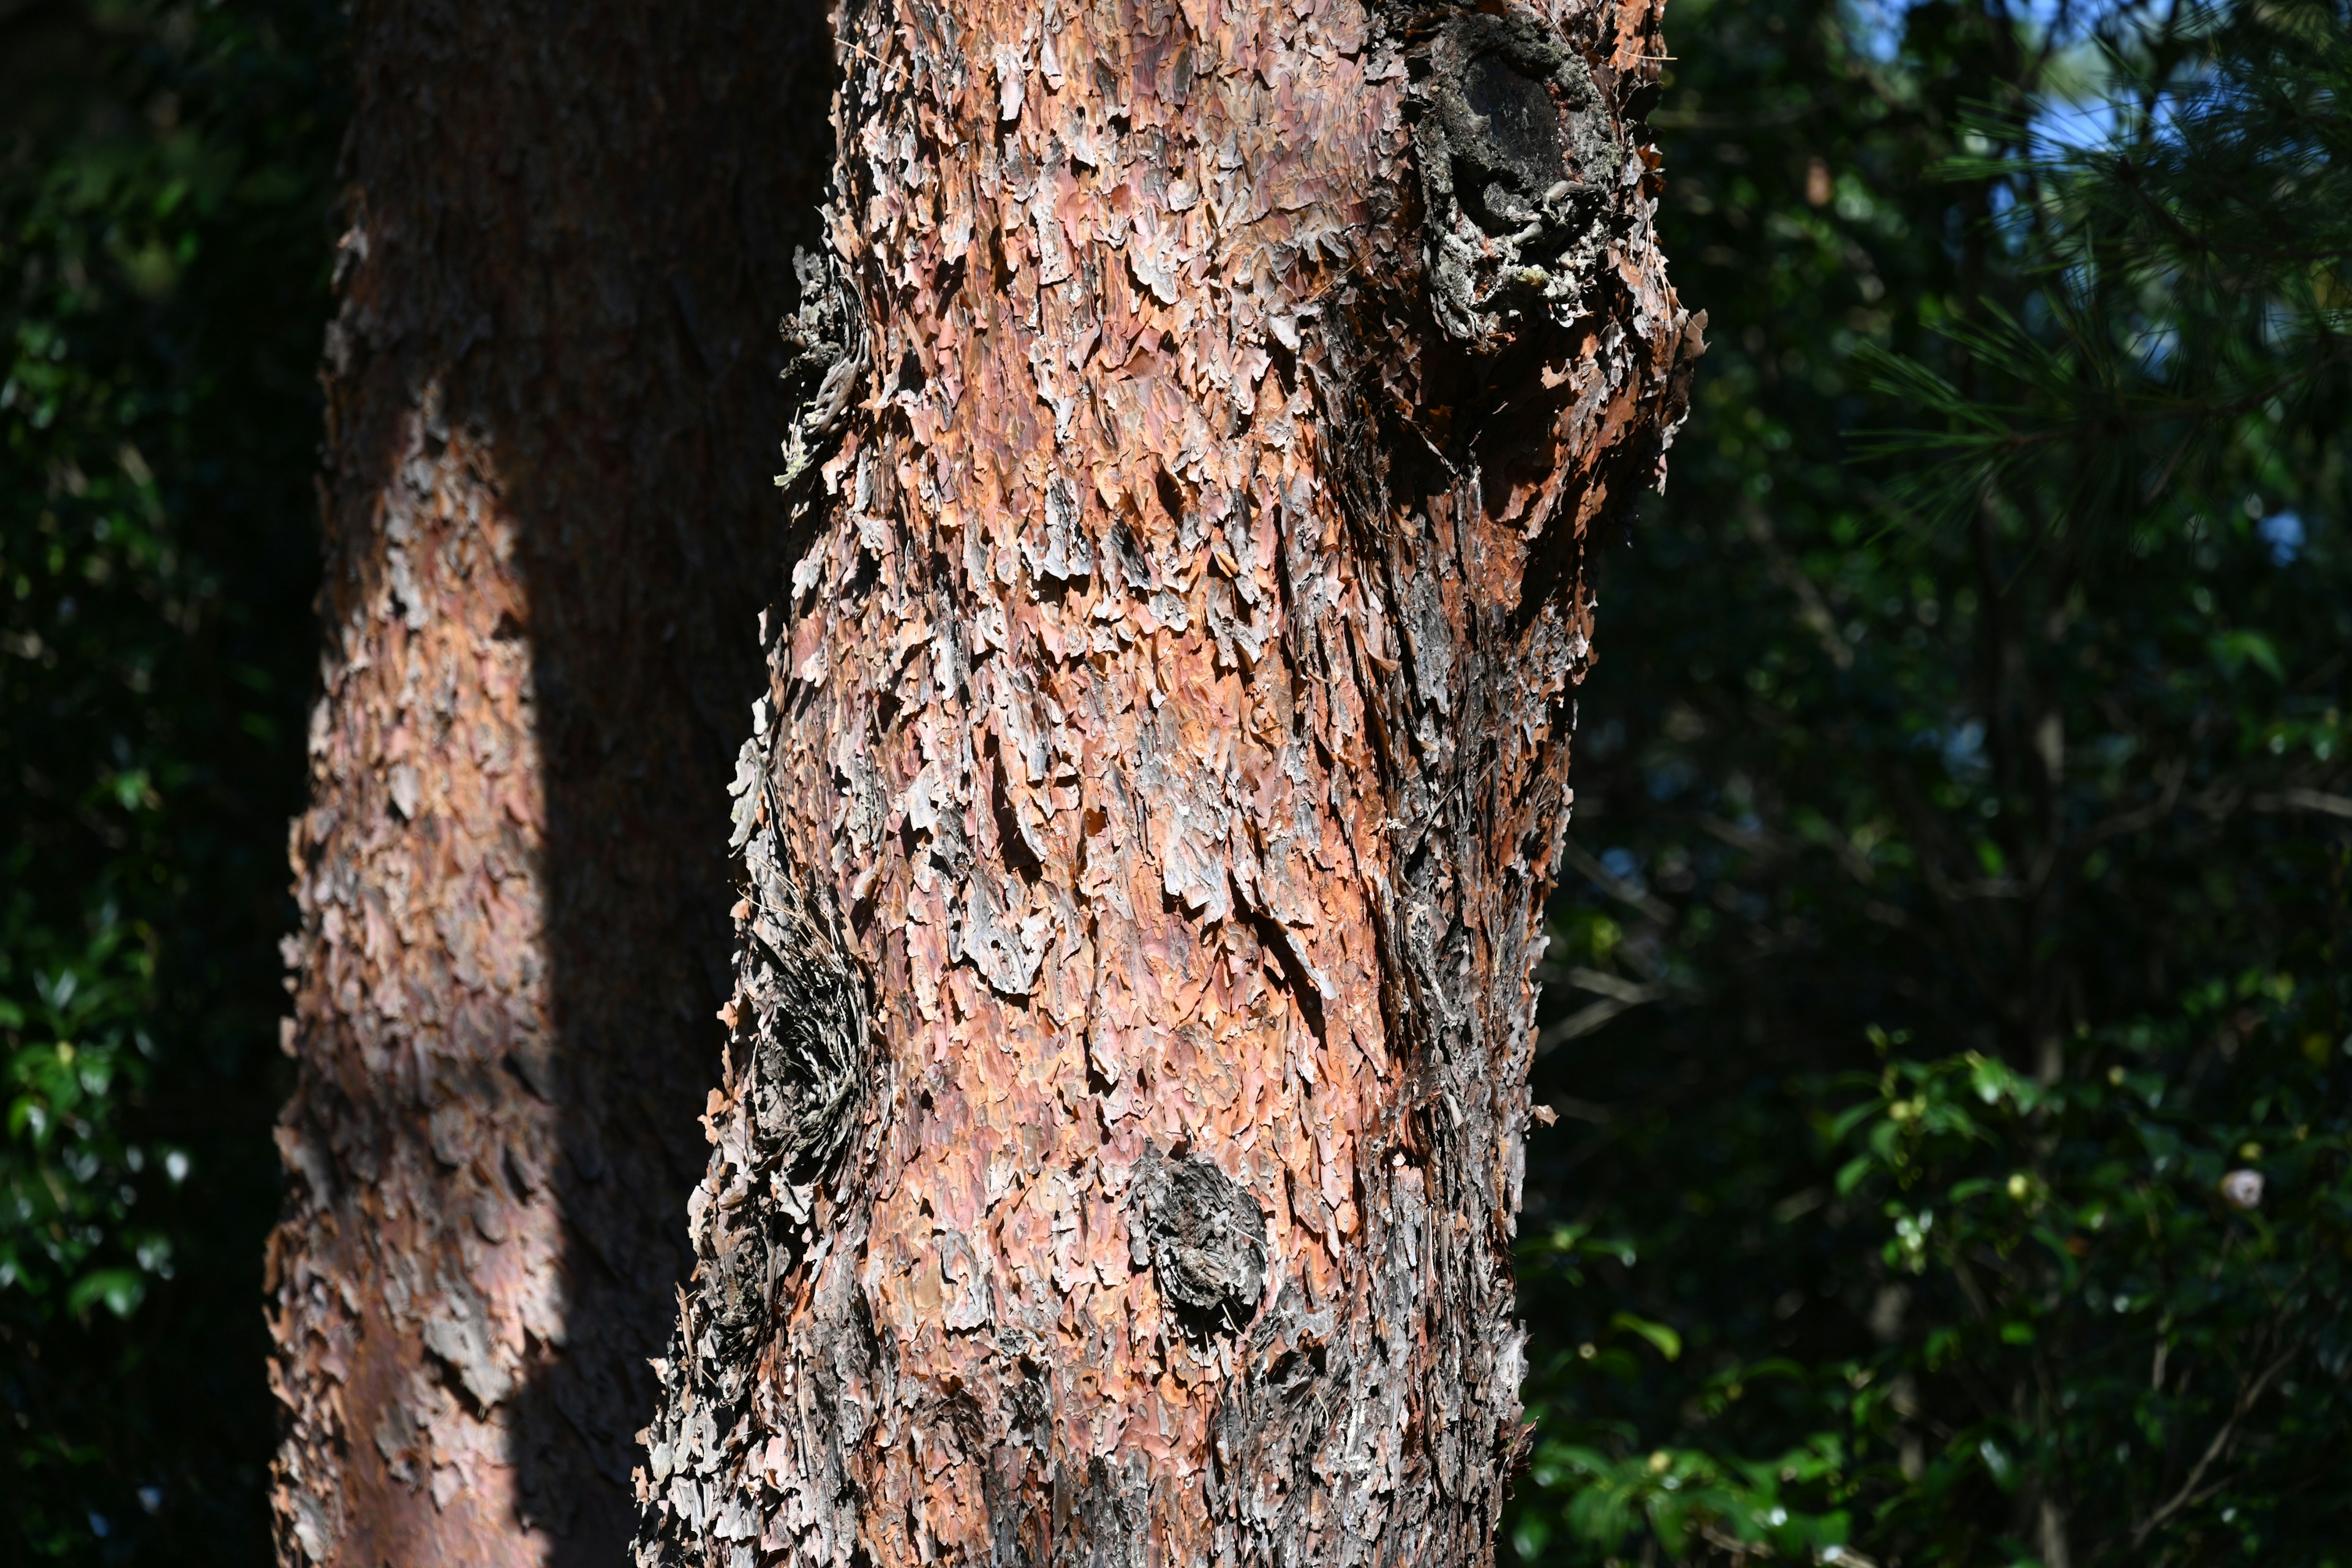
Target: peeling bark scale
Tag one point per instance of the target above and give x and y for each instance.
(1144, 836)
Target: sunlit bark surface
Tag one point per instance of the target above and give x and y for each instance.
(1145, 834)
(549, 389)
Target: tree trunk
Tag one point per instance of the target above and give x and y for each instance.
(548, 534)
(1144, 834)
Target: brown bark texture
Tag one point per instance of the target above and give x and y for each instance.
(549, 533)
(1144, 834)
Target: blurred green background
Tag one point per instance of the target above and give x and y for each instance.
(164, 180)
(1947, 1030)
(1963, 825)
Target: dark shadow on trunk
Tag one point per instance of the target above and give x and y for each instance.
(642, 432)
(554, 413)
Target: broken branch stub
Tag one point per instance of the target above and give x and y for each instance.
(801, 1053)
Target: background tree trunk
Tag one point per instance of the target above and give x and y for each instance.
(1146, 833)
(549, 390)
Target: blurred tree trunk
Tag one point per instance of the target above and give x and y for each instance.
(1145, 836)
(548, 533)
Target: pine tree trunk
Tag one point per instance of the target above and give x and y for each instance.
(548, 537)
(1145, 836)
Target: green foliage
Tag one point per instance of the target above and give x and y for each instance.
(1963, 1035)
(162, 250)
(77, 1054)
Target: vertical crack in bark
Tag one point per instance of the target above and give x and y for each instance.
(1171, 714)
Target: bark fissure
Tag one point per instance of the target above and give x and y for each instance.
(1174, 703)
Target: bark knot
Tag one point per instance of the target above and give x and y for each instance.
(1204, 1238)
(827, 340)
(1520, 156)
(802, 1026)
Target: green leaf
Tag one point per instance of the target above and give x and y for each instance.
(1998, 1464)
(1851, 1117)
(1850, 1174)
(2232, 650)
(1669, 1344)
(121, 1288)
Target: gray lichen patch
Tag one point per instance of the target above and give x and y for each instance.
(1518, 153)
(1203, 1236)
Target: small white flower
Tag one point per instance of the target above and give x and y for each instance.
(2243, 1189)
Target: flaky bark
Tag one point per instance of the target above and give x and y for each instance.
(549, 388)
(1146, 832)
